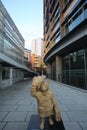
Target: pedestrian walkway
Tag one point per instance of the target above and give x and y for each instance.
(17, 106)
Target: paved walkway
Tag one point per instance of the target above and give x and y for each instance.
(17, 106)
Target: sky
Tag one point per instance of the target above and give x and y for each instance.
(28, 17)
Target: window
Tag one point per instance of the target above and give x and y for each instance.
(74, 69)
(85, 11)
(5, 73)
(75, 20)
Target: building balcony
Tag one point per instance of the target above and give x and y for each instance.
(73, 40)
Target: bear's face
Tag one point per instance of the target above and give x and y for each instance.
(44, 87)
(37, 82)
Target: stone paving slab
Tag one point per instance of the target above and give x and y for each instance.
(9, 101)
(16, 126)
(2, 125)
(29, 114)
(63, 107)
(17, 106)
(15, 116)
(72, 126)
(24, 102)
(25, 108)
(8, 108)
(78, 115)
(3, 115)
(78, 107)
(83, 125)
(65, 116)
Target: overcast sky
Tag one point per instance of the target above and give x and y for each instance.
(28, 17)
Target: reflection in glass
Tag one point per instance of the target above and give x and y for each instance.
(74, 69)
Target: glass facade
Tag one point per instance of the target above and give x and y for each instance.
(65, 35)
(11, 41)
(75, 68)
(76, 18)
(86, 68)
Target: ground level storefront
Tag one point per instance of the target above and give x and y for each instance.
(70, 69)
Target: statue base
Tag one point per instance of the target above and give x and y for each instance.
(35, 123)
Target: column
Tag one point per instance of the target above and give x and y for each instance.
(53, 70)
(59, 68)
(11, 76)
(49, 70)
(0, 74)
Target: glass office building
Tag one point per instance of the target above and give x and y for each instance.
(11, 41)
(65, 40)
(12, 64)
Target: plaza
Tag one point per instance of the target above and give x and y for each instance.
(17, 105)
